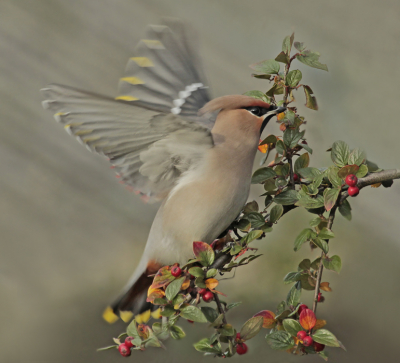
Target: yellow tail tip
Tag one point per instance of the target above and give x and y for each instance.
(109, 316)
(126, 316)
(156, 314)
(143, 317)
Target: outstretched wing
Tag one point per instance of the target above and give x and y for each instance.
(165, 73)
(149, 149)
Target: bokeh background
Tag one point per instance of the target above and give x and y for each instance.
(71, 235)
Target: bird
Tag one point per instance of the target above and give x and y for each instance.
(171, 143)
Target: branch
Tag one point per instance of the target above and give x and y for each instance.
(374, 178)
(321, 265)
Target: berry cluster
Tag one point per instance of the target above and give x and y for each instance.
(125, 348)
(351, 181)
(207, 295)
(303, 336)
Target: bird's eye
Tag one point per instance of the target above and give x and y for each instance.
(255, 110)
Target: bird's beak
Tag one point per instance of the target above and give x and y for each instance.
(273, 110)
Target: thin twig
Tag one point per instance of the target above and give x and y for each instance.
(321, 265)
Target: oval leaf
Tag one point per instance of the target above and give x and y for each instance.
(269, 321)
(292, 326)
(287, 198)
(204, 253)
(211, 284)
(324, 336)
(280, 340)
(301, 162)
(173, 288)
(347, 170)
(333, 263)
(293, 297)
(330, 197)
(340, 153)
(307, 319)
(193, 313)
(251, 328)
(262, 174)
(276, 213)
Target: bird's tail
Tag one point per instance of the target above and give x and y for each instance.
(133, 302)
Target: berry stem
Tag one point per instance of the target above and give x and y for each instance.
(321, 266)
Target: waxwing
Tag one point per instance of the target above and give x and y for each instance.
(169, 142)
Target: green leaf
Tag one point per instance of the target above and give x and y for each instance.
(372, 167)
(287, 44)
(292, 326)
(301, 162)
(276, 89)
(233, 305)
(299, 46)
(323, 245)
(323, 355)
(204, 346)
(191, 312)
(280, 340)
(131, 329)
(293, 297)
(357, 157)
(196, 271)
(293, 78)
(269, 66)
(283, 58)
(324, 336)
(306, 148)
(310, 203)
(270, 139)
(280, 147)
(333, 263)
(256, 219)
(173, 288)
(227, 330)
(258, 95)
(251, 236)
(167, 311)
(347, 170)
(251, 207)
(305, 264)
(340, 153)
(211, 273)
(311, 59)
(304, 236)
(210, 313)
(309, 173)
(262, 174)
(176, 332)
(204, 253)
(332, 174)
(160, 301)
(276, 213)
(281, 307)
(326, 233)
(235, 249)
(292, 277)
(315, 263)
(281, 182)
(311, 101)
(179, 299)
(292, 136)
(363, 171)
(287, 198)
(315, 222)
(199, 282)
(244, 225)
(345, 209)
(330, 197)
(251, 327)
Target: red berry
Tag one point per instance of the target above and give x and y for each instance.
(353, 191)
(176, 271)
(241, 348)
(304, 142)
(208, 296)
(124, 350)
(318, 347)
(295, 178)
(192, 277)
(128, 342)
(307, 341)
(301, 308)
(351, 180)
(202, 291)
(190, 321)
(320, 297)
(238, 337)
(301, 334)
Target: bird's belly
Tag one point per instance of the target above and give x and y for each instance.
(200, 210)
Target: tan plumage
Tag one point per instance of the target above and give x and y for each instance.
(198, 164)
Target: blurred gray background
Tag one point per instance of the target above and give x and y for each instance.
(71, 235)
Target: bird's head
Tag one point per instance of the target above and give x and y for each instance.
(242, 111)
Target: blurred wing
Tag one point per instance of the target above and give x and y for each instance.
(166, 73)
(149, 149)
